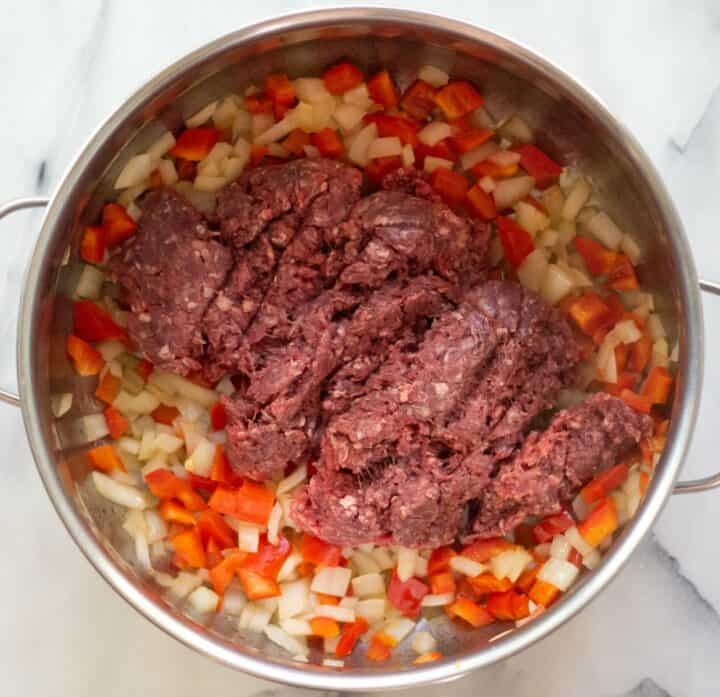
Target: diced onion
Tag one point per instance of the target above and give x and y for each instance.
(248, 537)
(556, 284)
(136, 170)
(591, 560)
(358, 152)
(560, 548)
(205, 201)
(348, 116)
(202, 116)
(578, 541)
(531, 272)
(371, 609)
(224, 115)
(294, 598)
(203, 599)
(508, 192)
(311, 151)
(167, 171)
(184, 584)
(482, 118)
(435, 132)
(142, 403)
(422, 642)
(382, 558)
(162, 145)
(349, 601)
(469, 159)
(234, 601)
(122, 494)
(630, 247)
(242, 124)
(398, 628)
(368, 585)
(332, 580)
(408, 155)
(290, 643)
(295, 478)
(516, 130)
(559, 573)
(254, 617)
(287, 570)
(385, 147)
(336, 612)
(296, 627)
(505, 158)
(333, 663)
(655, 327)
(277, 131)
(168, 443)
(273, 526)
(433, 76)
(466, 566)
(261, 123)
(432, 163)
(510, 563)
(437, 600)
(61, 403)
(487, 184)
(602, 226)
(364, 564)
(576, 199)
(156, 527)
(421, 566)
(90, 282)
(86, 429)
(311, 89)
(406, 563)
(209, 184)
(553, 200)
(175, 384)
(111, 350)
(530, 218)
(359, 96)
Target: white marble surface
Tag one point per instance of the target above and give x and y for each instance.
(64, 66)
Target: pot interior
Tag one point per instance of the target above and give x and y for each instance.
(511, 82)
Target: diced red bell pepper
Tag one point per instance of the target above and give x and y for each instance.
(475, 615)
(92, 244)
(635, 401)
(552, 525)
(451, 186)
(508, 606)
(640, 353)
(418, 100)
(382, 90)
(458, 98)
(212, 526)
(317, 551)
(221, 471)
(296, 141)
(440, 559)
(213, 554)
(487, 583)
(342, 77)
(117, 424)
(622, 353)
(604, 483)
(250, 502)
(174, 512)
(327, 142)
(527, 578)
(222, 574)
(538, 165)
(118, 225)
(543, 593)
(218, 417)
(257, 587)
(590, 313)
(165, 485)
(464, 142)
(257, 153)
(658, 385)
(144, 369)
(189, 550)
(194, 144)
(85, 358)
(186, 170)
(394, 125)
(622, 277)
(600, 261)
(201, 483)
(259, 104)
(407, 596)
(516, 241)
(482, 202)
(93, 323)
(482, 550)
(349, 637)
(105, 459)
(486, 168)
(381, 166)
(108, 388)
(279, 88)
(165, 414)
(600, 523)
(442, 582)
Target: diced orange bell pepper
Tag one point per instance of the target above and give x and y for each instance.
(327, 142)
(635, 401)
(440, 559)
(598, 259)
(92, 244)
(465, 142)
(117, 424)
(250, 502)
(212, 526)
(543, 593)
(482, 550)
(508, 606)
(257, 153)
(516, 241)
(482, 202)
(117, 223)
(407, 596)
(475, 615)
(195, 144)
(174, 512)
(604, 483)
(443, 582)
(166, 485)
(378, 651)
(658, 385)
(649, 447)
(600, 523)
(85, 358)
(105, 459)
(165, 414)
(259, 104)
(296, 141)
(527, 578)
(538, 165)
(108, 388)
(644, 482)
(418, 100)
(458, 98)
(394, 125)
(552, 525)
(317, 551)
(590, 313)
(486, 168)
(382, 90)
(189, 550)
(622, 277)
(257, 587)
(380, 166)
(349, 637)
(427, 657)
(451, 186)
(640, 353)
(279, 88)
(342, 77)
(324, 627)
(92, 323)
(488, 583)
(221, 470)
(222, 573)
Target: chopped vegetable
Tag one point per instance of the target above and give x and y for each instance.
(108, 388)
(658, 385)
(538, 165)
(465, 142)
(600, 523)
(457, 99)
(165, 414)
(279, 89)
(257, 587)
(604, 483)
(93, 323)
(349, 637)
(105, 459)
(509, 605)
(316, 551)
(165, 485)
(451, 186)
(474, 614)
(327, 142)
(342, 77)
(92, 245)
(195, 144)
(418, 100)
(117, 224)
(250, 502)
(482, 202)
(516, 242)
(86, 359)
(382, 90)
(552, 525)
(407, 596)
(189, 550)
(117, 424)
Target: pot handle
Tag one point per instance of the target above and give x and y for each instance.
(693, 486)
(5, 209)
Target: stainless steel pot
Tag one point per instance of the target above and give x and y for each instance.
(575, 126)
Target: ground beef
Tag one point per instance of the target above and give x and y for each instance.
(551, 467)
(170, 271)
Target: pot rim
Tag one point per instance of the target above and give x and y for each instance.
(317, 677)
